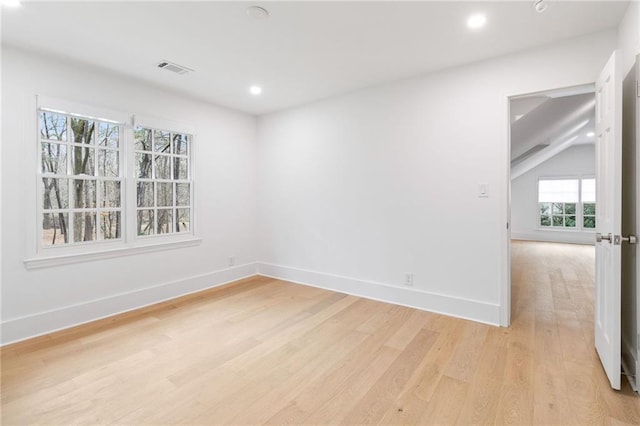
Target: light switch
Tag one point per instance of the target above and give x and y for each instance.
(483, 190)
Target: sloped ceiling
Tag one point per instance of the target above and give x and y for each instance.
(546, 125)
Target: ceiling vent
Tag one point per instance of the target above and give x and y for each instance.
(170, 66)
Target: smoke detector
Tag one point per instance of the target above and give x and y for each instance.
(170, 66)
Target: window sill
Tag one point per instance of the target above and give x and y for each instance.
(65, 259)
(550, 229)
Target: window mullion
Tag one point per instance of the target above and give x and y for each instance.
(72, 193)
(130, 185)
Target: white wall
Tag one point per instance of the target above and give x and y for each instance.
(629, 36)
(38, 301)
(356, 191)
(579, 160)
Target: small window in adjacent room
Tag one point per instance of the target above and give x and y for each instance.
(566, 203)
(588, 203)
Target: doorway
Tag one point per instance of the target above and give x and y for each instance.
(560, 198)
(551, 183)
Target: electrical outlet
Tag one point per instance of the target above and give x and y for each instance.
(408, 278)
(232, 261)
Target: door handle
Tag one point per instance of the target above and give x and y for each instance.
(616, 239)
(631, 239)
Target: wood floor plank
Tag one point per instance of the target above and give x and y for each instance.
(372, 406)
(264, 351)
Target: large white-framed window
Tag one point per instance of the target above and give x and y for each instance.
(566, 203)
(108, 182)
(163, 181)
(81, 179)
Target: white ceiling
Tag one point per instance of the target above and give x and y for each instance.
(303, 52)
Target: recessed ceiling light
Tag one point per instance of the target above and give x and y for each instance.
(476, 21)
(257, 12)
(591, 134)
(540, 5)
(11, 3)
(255, 90)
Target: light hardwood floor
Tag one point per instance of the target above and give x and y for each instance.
(267, 351)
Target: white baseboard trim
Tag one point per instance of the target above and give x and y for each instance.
(629, 363)
(22, 328)
(555, 237)
(411, 297)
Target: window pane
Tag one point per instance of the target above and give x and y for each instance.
(55, 193)
(588, 190)
(570, 222)
(180, 143)
(108, 163)
(545, 208)
(54, 158)
(161, 141)
(570, 208)
(143, 166)
(183, 194)
(165, 195)
(142, 139)
(82, 130)
(54, 229)
(163, 167)
(561, 190)
(110, 193)
(558, 208)
(183, 220)
(84, 193)
(53, 126)
(545, 221)
(110, 225)
(165, 221)
(145, 222)
(145, 194)
(589, 208)
(83, 161)
(558, 221)
(108, 135)
(590, 222)
(180, 168)
(84, 227)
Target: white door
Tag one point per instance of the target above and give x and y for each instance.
(608, 219)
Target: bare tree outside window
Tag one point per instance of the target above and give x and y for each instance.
(162, 181)
(83, 187)
(81, 183)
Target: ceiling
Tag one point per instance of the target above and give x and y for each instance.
(303, 52)
(544, 125)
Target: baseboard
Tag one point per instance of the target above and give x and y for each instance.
(629, 363)
(555, 237)
(411, 297)
(17, 329)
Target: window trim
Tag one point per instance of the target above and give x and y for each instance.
(39, 256)
(579, 204)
